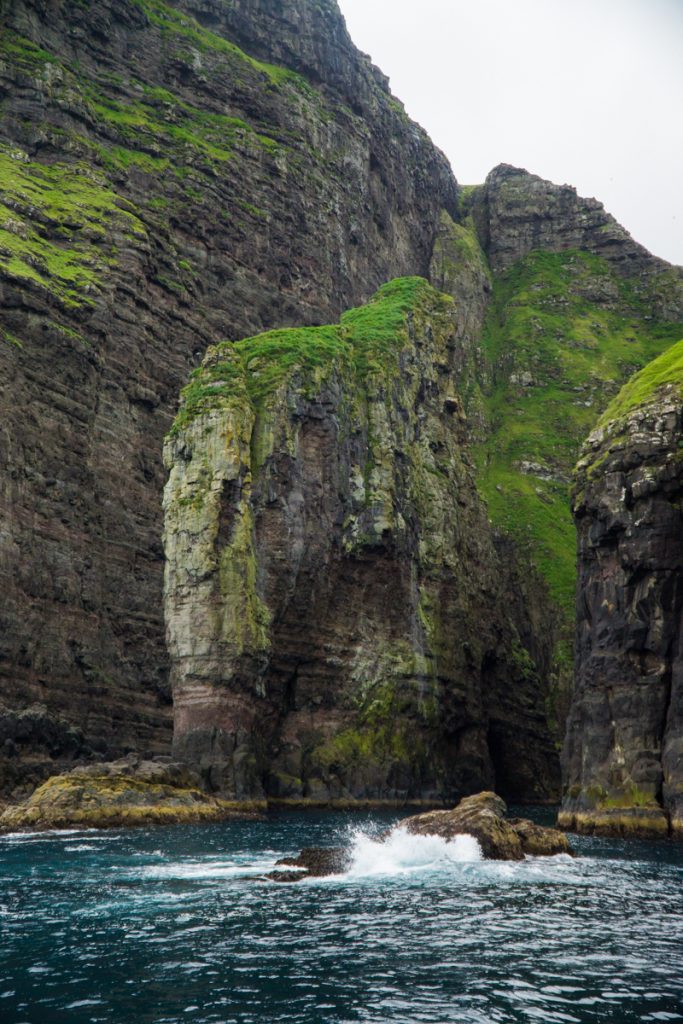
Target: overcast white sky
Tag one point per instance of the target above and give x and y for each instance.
(588, 92)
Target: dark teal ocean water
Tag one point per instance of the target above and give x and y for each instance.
(165, 925)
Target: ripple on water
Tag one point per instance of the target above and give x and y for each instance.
(166, 925)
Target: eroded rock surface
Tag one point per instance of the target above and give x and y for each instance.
(122, 793)
(624, 748)
(163, 189)
(336, 609)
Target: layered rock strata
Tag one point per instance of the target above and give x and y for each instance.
(517, 213)
(336, 610)
(624, 750)
(166, 182)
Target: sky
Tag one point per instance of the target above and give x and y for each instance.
(583, 92)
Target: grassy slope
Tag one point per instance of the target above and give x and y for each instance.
(563, 333)
(664, 372)
(56, 219)
(368, 339)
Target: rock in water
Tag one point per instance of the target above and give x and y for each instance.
(624, 748)
(121, 793)
(319, 861)
(481, 816)
(538, 841)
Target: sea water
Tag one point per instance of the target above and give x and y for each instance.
(177, 924)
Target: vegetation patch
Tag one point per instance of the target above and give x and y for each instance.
(367, 342)
(665, 372)
(54, 219)
(563, 333)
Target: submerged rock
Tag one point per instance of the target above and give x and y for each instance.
(121, 793)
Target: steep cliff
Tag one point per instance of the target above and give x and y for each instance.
(624, 750)
(338, 618)
(172, 174)
(576, 308)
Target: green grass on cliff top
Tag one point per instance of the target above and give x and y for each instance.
(577, 331)
(368, 340)
(54, 224)
(665, 371)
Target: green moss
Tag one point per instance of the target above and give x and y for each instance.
(367, 341)
(563, 332)
(105, 801)
(22, 51)
(11, 339)
(177, 24)
(50, 217)
(664, 372)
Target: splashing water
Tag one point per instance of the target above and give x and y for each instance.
(402, 853)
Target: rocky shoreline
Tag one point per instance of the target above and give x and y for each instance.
(120, 794)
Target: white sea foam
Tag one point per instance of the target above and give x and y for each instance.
(206, 869)
(402, 853)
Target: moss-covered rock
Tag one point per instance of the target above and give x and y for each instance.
(329, 634)
(172, 174)
(576, 307)
(623, 763)
(121, 794)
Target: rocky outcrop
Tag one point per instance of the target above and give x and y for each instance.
(484, 817)
(576, 308)
(122, 793)
(624, 749)
(481, 815)
(337, 620)
(167, 183)
(516, 213)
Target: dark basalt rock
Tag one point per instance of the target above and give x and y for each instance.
(316, 862)
(237, 222)
(623, 760)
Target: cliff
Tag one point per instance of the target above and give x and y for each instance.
(338, 619)
(576, 308)
(624, 750)
(171, 175)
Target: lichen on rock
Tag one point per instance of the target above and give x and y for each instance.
(623, 754)
(335, 615)
(121, 793)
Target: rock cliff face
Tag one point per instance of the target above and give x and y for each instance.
(517, 213)
(567, 324)
(336, 610)
(624, 750)
(166, 182)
